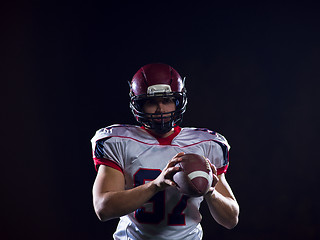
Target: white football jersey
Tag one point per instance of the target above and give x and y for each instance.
(140, 156)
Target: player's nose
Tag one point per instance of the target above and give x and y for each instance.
(160, 107)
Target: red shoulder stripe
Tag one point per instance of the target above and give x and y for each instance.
(106, 162)
(222, 169)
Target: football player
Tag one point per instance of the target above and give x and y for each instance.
(135, 164)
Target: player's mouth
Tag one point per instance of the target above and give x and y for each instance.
(159, 120)
(161, 117)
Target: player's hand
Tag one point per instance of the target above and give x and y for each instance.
(165, 179)
(215, 177)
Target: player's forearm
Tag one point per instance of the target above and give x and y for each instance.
(115, 204)
(223, 209)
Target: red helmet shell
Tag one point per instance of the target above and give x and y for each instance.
(153, 74)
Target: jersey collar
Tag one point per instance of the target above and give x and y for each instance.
(166, 140)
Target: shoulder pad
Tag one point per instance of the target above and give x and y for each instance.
(113, 130)
(209, 134)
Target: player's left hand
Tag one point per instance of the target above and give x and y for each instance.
(215, 177)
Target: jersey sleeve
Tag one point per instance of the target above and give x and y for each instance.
(107, 150)
(218, 153)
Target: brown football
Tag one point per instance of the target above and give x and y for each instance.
(195, 177)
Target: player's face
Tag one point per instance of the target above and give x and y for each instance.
(159, 105)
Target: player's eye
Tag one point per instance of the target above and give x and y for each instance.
(139, 104)
(167, 100)
(150, 102)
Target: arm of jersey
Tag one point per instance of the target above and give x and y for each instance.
(111, 200)
(222, 204)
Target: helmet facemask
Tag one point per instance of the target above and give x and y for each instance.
(161, 123)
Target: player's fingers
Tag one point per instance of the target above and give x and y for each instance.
(213, 167)
(170, 182)
(176, 159)
(171, 171)
(214, 183)
(179, 154)
(215, 180)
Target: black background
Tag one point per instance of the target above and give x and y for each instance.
(252, 74)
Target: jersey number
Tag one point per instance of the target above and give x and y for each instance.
(157, 203)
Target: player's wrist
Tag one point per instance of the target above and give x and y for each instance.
(155, 186)
(211, 194)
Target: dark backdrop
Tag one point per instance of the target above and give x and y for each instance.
(252, 74)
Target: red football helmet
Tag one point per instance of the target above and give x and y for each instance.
(157, 80)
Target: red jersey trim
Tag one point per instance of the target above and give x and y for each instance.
(159, 144)
(166, 140)
(106, 162)
(222, 169)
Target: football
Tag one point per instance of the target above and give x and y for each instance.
(195, 177)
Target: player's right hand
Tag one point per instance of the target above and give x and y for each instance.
(215, 179)
(165, 179)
